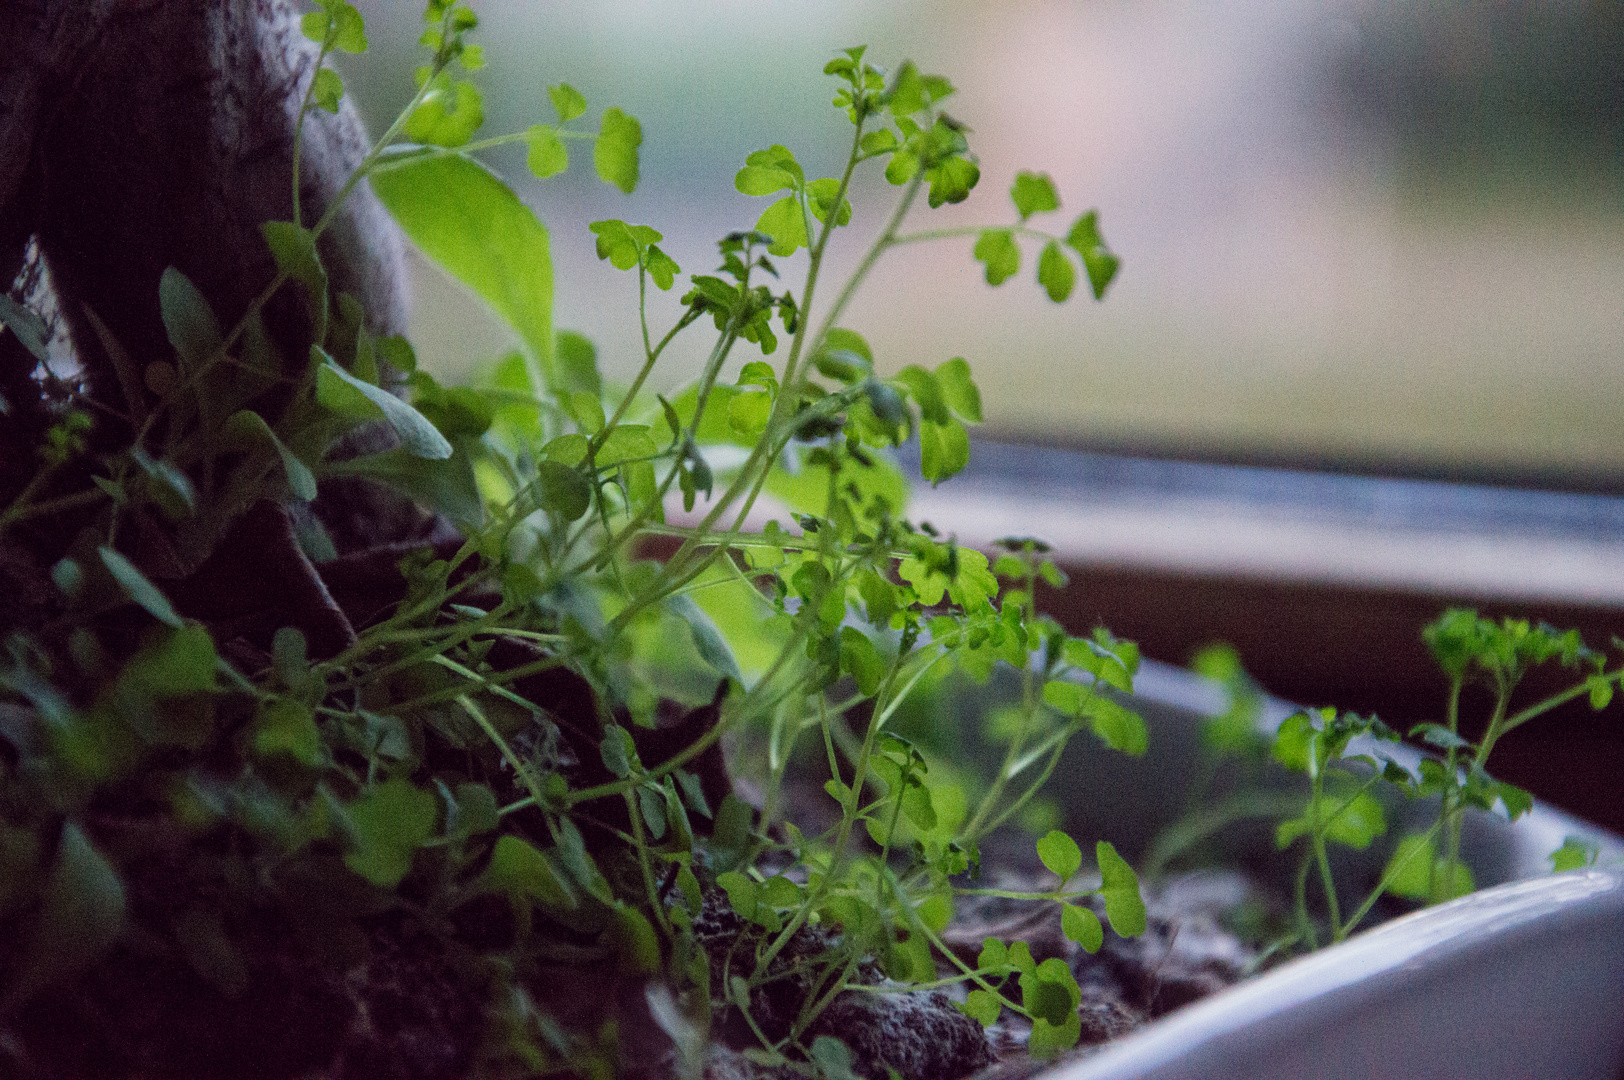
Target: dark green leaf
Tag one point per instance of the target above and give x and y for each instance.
(519, 869)
(287, 728)
(81, 914)
(188, 320)
(346, 395)
(561, 490)
(247, 429)
(391, 820)
(29, 328)
(861, 660)
(833, 1059)
(708, 641)
(139, 589)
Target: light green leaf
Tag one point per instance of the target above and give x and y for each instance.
(1574, 854)
(958, 389)
(567, 101)
(1120, 890)
(1060, 854)
(833, 1058)
(615, 154)
(1055, 272)
(1085, 239)
(346, 395)
(547, 155)
(1360, 823)
(448, 115)
(996, 248)
(1033, 193)
(983, 1007)
(784, 222)
(1082, 926)
(474, 226)
(328, 89)
(944, 449)
(521, 870)
(762, 180)
(1118, 726)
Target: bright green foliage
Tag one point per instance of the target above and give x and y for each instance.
(615, 154)
(405, 771)
(474, 226)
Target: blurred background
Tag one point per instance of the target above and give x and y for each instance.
(1364, 358)
(1379, 236)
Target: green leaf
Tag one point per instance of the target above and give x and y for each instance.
(762, 180)
(820, 195)
(615, 154)
(1055, 272)
(328, 89)
(567, 101)
(996, 248)
(1061, 855)
(446, 485)
(944, 449)
(286, 728)
(1101, 265)
(547, 155)
(577, 365)
(391, 820)
(81, 914)
(861, 660)
(1082, 926)
(1120, 890)
(294, 250)
(784, 222)
(748, 412)
(1116, 725)
(958, 389)
(1049, 1039)
(448, 115)
(708, 640)
(207, 947)
(635, 940)
(952, 181)
(346, 395)
(188, 320)
(561, 490)
(622, 244)
(28, 327)
(1033, 193)
(139, 589)
(617, 751)
(1575, 853)
(474, 226)
(247, 429)
(351, 29)
(833, 1058)
(1358, 824)
(1292, 741)
(1601, 691)
(983, 1007)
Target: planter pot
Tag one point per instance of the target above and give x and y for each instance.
(1524, 978)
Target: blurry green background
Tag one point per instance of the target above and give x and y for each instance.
(1374, 236)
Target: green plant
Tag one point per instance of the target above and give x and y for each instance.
(1347, 758)
(513, 747)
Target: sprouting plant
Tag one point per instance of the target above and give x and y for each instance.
(1347, 758)
(531, 714)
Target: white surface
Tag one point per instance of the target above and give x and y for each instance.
(1523, 980)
